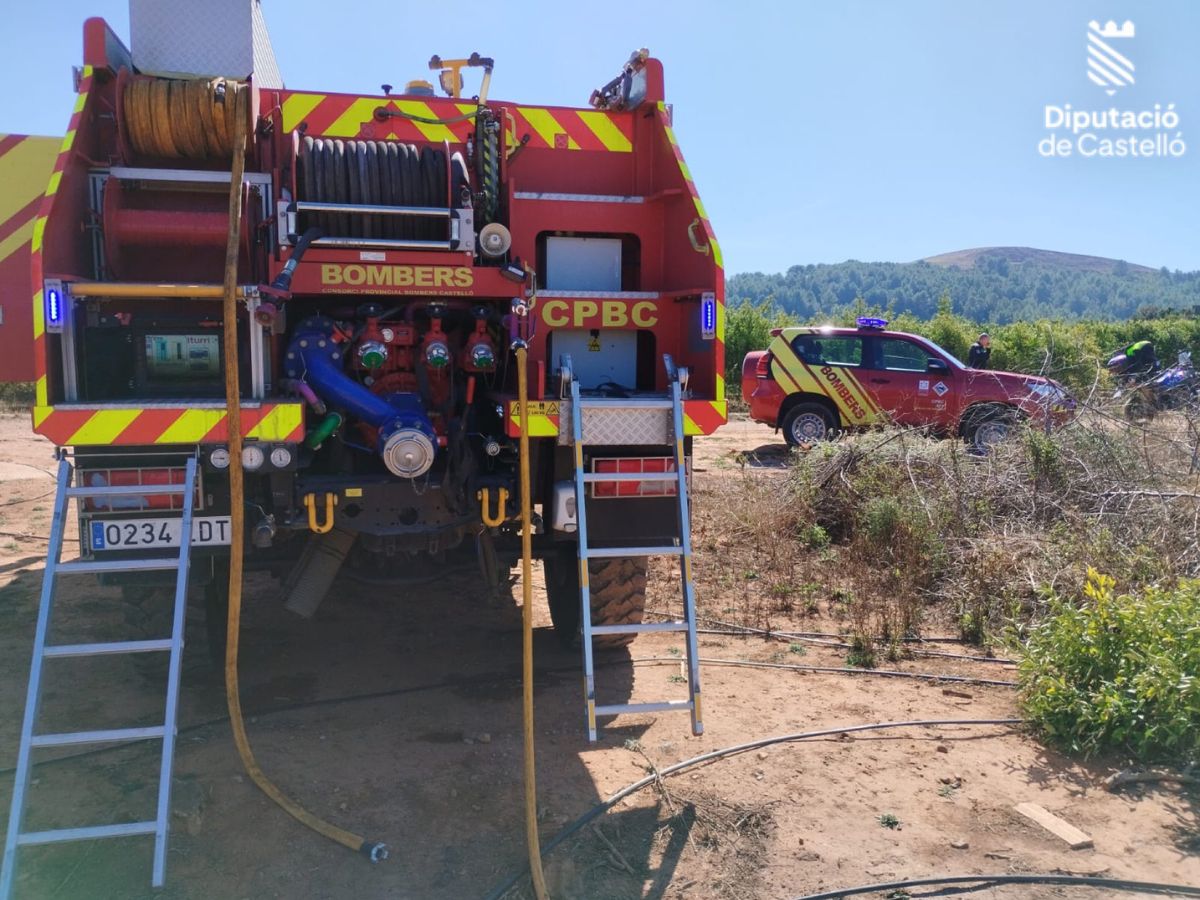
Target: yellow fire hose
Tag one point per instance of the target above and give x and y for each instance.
(235, 99)
(531, 825)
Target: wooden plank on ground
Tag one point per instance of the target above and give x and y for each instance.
(1060, 828)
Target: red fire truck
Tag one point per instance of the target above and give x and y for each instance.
(379, 409)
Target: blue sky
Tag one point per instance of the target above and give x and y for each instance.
(816, 131)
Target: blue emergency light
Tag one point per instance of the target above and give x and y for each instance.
(55, 305)
(708, 316)
(871, 322)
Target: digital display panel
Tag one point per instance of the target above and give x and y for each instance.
(183, 357)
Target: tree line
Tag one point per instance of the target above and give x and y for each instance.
(995, 289)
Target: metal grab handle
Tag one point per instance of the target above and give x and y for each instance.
(484, 497)
(696, 245)
(310, 503)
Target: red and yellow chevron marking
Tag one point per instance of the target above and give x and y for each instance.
(545, 420)
(712, 247)
(341, 116)
(574, 129)
(39, 227)
(72, 427)
(839, 384)
(25, 166)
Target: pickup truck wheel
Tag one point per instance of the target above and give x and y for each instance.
(618, 595)
(808, 423)
(989, 427)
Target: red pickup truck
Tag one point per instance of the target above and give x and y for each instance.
(814, 382)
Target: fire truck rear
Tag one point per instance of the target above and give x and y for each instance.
(395, 248)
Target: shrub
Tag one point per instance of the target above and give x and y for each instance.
(1118, 671)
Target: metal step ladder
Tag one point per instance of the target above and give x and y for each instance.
(681, 548)
(30, 740)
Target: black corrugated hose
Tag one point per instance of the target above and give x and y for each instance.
(1116, 884)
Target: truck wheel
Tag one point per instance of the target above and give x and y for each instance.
(808, 423)
(618, 595)
(988, 427)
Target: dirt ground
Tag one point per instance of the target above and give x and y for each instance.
(398, 716)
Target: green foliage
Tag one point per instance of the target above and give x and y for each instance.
(814, 537)
(16, 394)
(1118, 671)
(748, 327)
(1073, 352)
(995, 289)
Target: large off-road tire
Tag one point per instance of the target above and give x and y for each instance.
(986, 426)
(808, 423)
(618, 596)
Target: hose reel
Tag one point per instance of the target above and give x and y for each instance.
(175, 118)
(379, 173)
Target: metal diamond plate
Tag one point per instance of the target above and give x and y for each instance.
(225, 38)
(619, 425)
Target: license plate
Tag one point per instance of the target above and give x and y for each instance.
(135, 534)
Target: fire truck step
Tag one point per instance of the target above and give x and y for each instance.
(682, 547)
(615, 552)
(130, 490)
(616, 709)
(590, 477)
(180, 563)
(97, 566)
(105, 736)
(88, 833)
(642, 628)
(617, 403)
(107, 648)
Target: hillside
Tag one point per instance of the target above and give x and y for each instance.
(967, 259)
(989, 284)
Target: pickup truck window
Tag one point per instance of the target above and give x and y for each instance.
(829, 350)
(898, 355)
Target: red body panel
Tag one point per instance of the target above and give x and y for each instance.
(25, 165)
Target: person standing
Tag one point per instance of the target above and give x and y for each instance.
(980, 352)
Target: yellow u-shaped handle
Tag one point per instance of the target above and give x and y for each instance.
(484, 497)
(310, 503)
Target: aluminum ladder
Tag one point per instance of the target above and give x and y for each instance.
(42, 651)
(681, 548)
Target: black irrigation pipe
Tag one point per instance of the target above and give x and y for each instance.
(818, 634)
(605, 805)
(833, 670)
(1117, 884)
(735, 630)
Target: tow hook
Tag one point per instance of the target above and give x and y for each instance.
(484, 497)
(310, 503)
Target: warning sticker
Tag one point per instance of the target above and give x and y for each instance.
(541, 407)
(940, 389)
